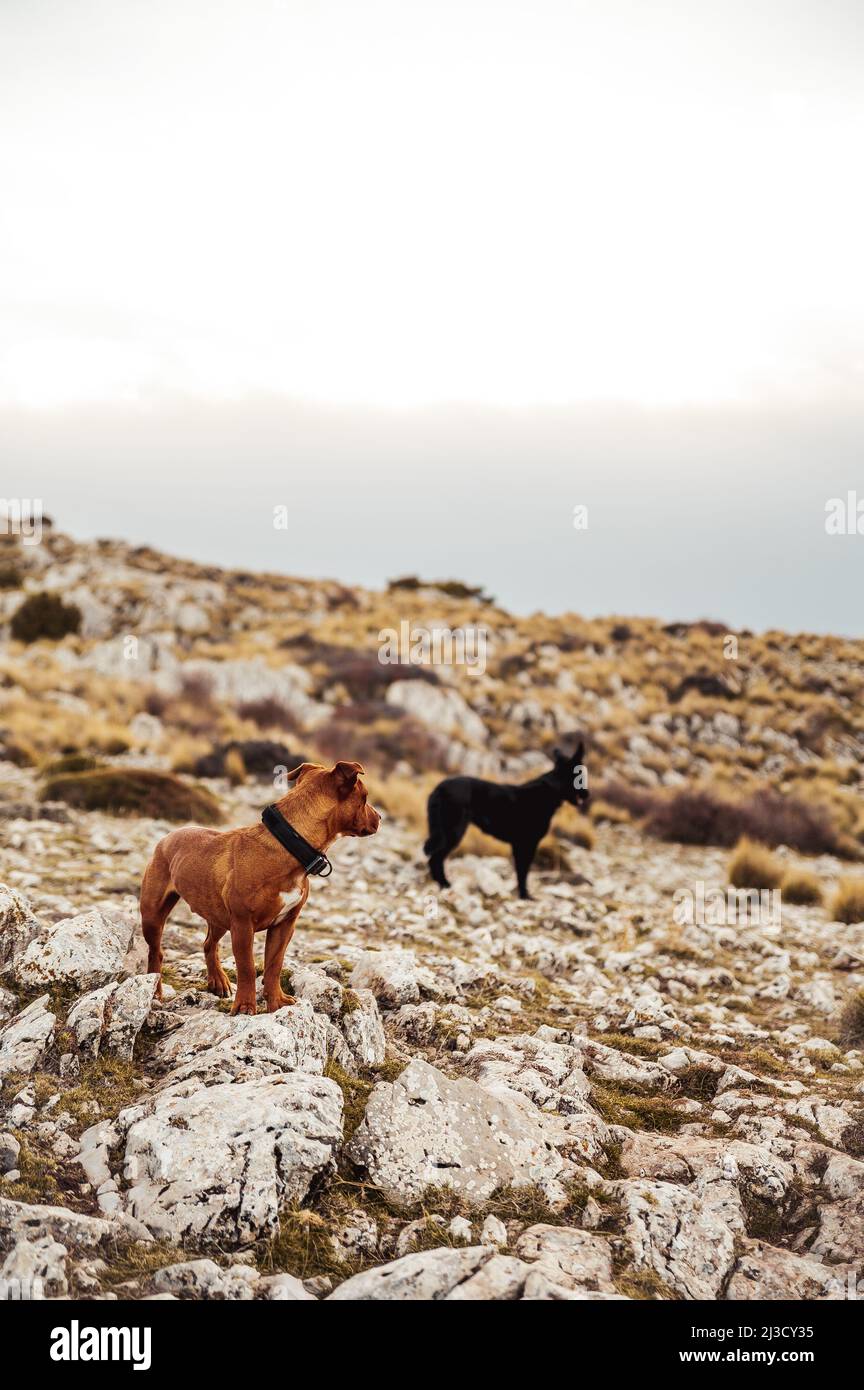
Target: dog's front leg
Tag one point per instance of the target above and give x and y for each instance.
(242, 937)
(274, 952)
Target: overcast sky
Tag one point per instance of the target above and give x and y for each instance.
(434, 273)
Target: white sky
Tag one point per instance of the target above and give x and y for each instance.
(399, 202)
(433, 272)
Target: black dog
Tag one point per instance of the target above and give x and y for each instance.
(519, 815)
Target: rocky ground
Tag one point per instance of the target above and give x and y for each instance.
(473, 1097)
(576, 1097)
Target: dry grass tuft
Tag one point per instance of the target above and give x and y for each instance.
(800, 886)
(851, 1033)
(753, 866)
(847, 905)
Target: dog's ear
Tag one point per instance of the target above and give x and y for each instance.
(300, 771)
(346, 775)
(579, 755)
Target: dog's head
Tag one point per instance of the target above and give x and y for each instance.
(571, 775)
(342, 795)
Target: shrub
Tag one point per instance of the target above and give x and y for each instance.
(44, 615)
(847, 905)
(851, 1032)
(783, 820)
(636, 801)
(753, 866)
(17, 751)
(134, 791)
(700, 817)
(453, 588)
(713, 687)
(196, 686)
(799, 886)
(10, 578)
(383, 744)
(694, 818)
(260, 758)
(268, 713)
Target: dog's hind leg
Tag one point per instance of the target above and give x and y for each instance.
(447, 825)
(454, 834)
(158, 897)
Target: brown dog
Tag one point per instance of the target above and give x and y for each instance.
(244, 881)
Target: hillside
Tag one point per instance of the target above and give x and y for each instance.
(581, 1096)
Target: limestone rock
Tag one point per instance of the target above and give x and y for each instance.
(18, 927)
(25, 1038)
(686, 1235)
(572, 1259)
(217, 1047)
(86, 951)
(767, 1272)
(443, 709)
(390, 975)
(550, 1076)
(424, 1129)
(109, 1019)
(215, 1164)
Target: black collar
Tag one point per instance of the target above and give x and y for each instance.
(313, 861)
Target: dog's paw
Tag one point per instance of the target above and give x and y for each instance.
(220, 985)
(280, 1002)
(244, 1006)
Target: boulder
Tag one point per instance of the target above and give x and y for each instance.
(767, 1272)
(363, 1030)
(283, 1288)
(109, 1019)
(205, 1279)
(424, 1129)
(9, 1151)
(26, 1037)
(215, 1165)
(390, 975)
(428, 1274)
(681, 1158)
(217, 1047)
(550, 1076)
(78, 1232)
(439, 707)
(18, 927)
(35, 1269)
(86, 951)
(477, 1274)
(571, 1259)
(685, 1235)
